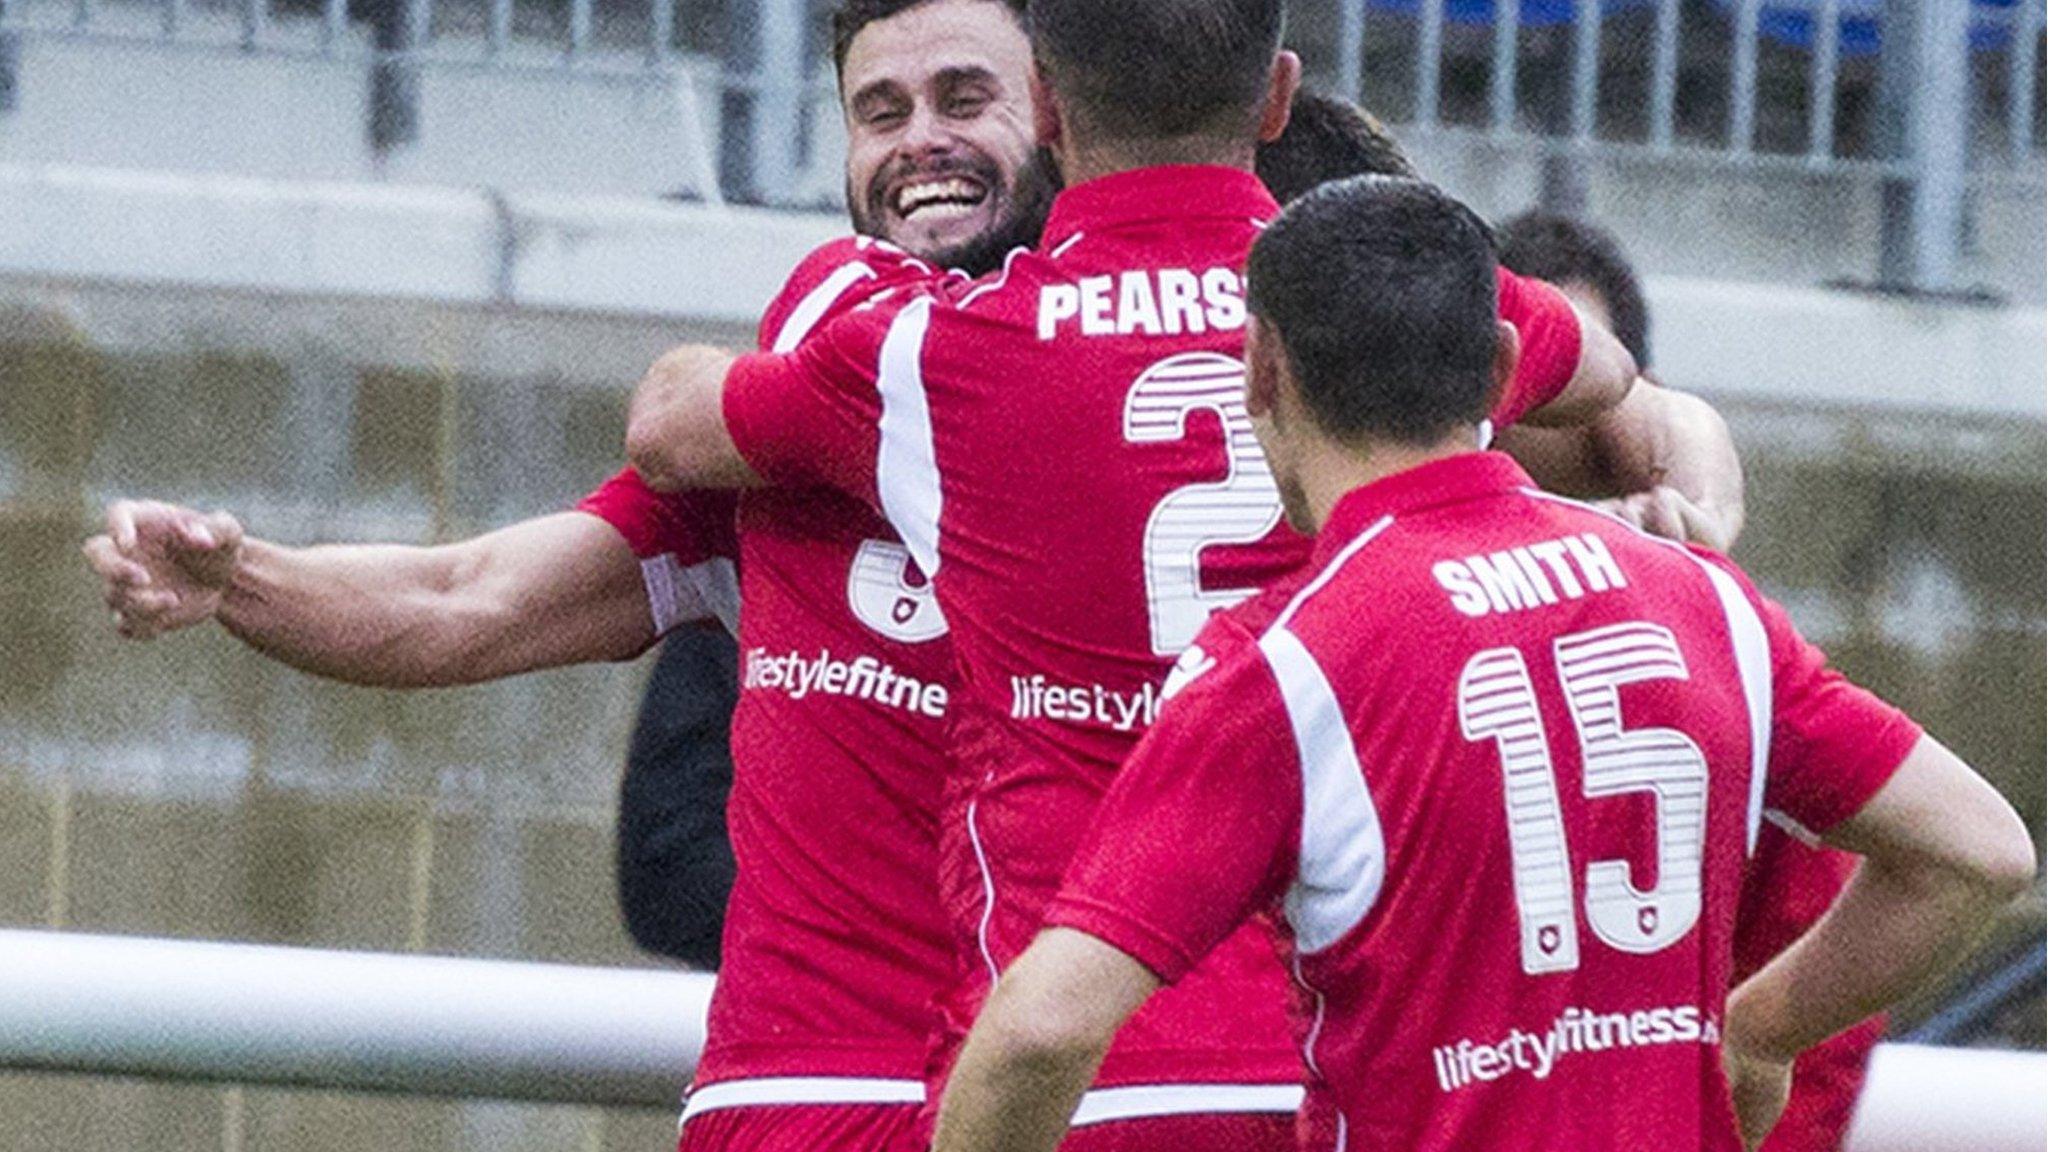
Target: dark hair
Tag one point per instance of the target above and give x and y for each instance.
(1141, 70)
(1562, 249)
(853, 15)
(1382, 292)
(1328, 139)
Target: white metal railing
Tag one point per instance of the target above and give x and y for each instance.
(437, 1026)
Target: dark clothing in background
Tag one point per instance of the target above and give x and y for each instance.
(675, 863)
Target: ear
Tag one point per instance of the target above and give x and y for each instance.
(1046, 122)
(1507, 357)
(1280, 96)
(1265, 363)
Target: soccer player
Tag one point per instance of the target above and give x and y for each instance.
(1791, 884)
(1497, 761)
(835, 947)
(827, 971)
(1064, 449)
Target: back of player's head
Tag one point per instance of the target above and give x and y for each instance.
(1566, 250)
(1382, 293)
(853, 15)
(1328, 139)
(1145, 70)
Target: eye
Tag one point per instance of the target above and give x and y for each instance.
(965, 104)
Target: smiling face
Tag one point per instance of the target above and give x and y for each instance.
(940, 157)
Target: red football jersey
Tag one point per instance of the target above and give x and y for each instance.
(1497, 760)
(835, 945)
(1065, 448)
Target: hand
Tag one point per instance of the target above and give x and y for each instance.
(1664, 511)
(163, 567)
(1760, 1085)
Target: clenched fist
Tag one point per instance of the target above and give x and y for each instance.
(163, 567)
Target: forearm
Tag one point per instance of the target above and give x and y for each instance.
(1891, 931)
(1942, 852)
(1654, 444)
(562, 589)
(1038, 1043)
(375, 614)
(1661, 437)
(1008, 1095)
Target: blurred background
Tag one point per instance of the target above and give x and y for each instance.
(384, 269)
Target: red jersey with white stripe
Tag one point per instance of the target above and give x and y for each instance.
(835, 946)
(1065, 448)
(1497, 760)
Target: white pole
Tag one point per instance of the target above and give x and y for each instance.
(412, 1024)
(425, 1025)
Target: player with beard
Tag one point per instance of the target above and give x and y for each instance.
(1064, 449)
(937, 143)
(835, 946)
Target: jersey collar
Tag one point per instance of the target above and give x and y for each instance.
(1466, 476)
(1163, 192)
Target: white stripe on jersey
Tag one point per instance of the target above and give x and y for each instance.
(1139, 1101)
(907, 471)
(1752, 656)
(1343, 853)
(776, 1090)
(811, 308)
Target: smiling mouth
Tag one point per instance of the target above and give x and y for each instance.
(936, 199)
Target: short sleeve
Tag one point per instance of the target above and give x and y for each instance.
(1551, 335)
(1198, 831)
(1833, 744)
(835, 279)
(811, 416)
(686, 543)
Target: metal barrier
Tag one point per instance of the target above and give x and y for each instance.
(435, 1026)
(1932, 100)
(1703, 77)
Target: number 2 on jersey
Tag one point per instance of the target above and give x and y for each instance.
(1497, 701)
(1238, 509)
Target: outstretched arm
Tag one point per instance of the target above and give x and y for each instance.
(557, 590)
(1037, 1043)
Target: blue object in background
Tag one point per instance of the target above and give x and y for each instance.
(1535, 13)
(1787, 22)
(1791, 23)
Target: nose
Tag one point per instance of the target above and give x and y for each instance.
(924, 134)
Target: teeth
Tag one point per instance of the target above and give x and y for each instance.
(916, 196)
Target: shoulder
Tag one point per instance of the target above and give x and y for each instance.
(835, 278)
